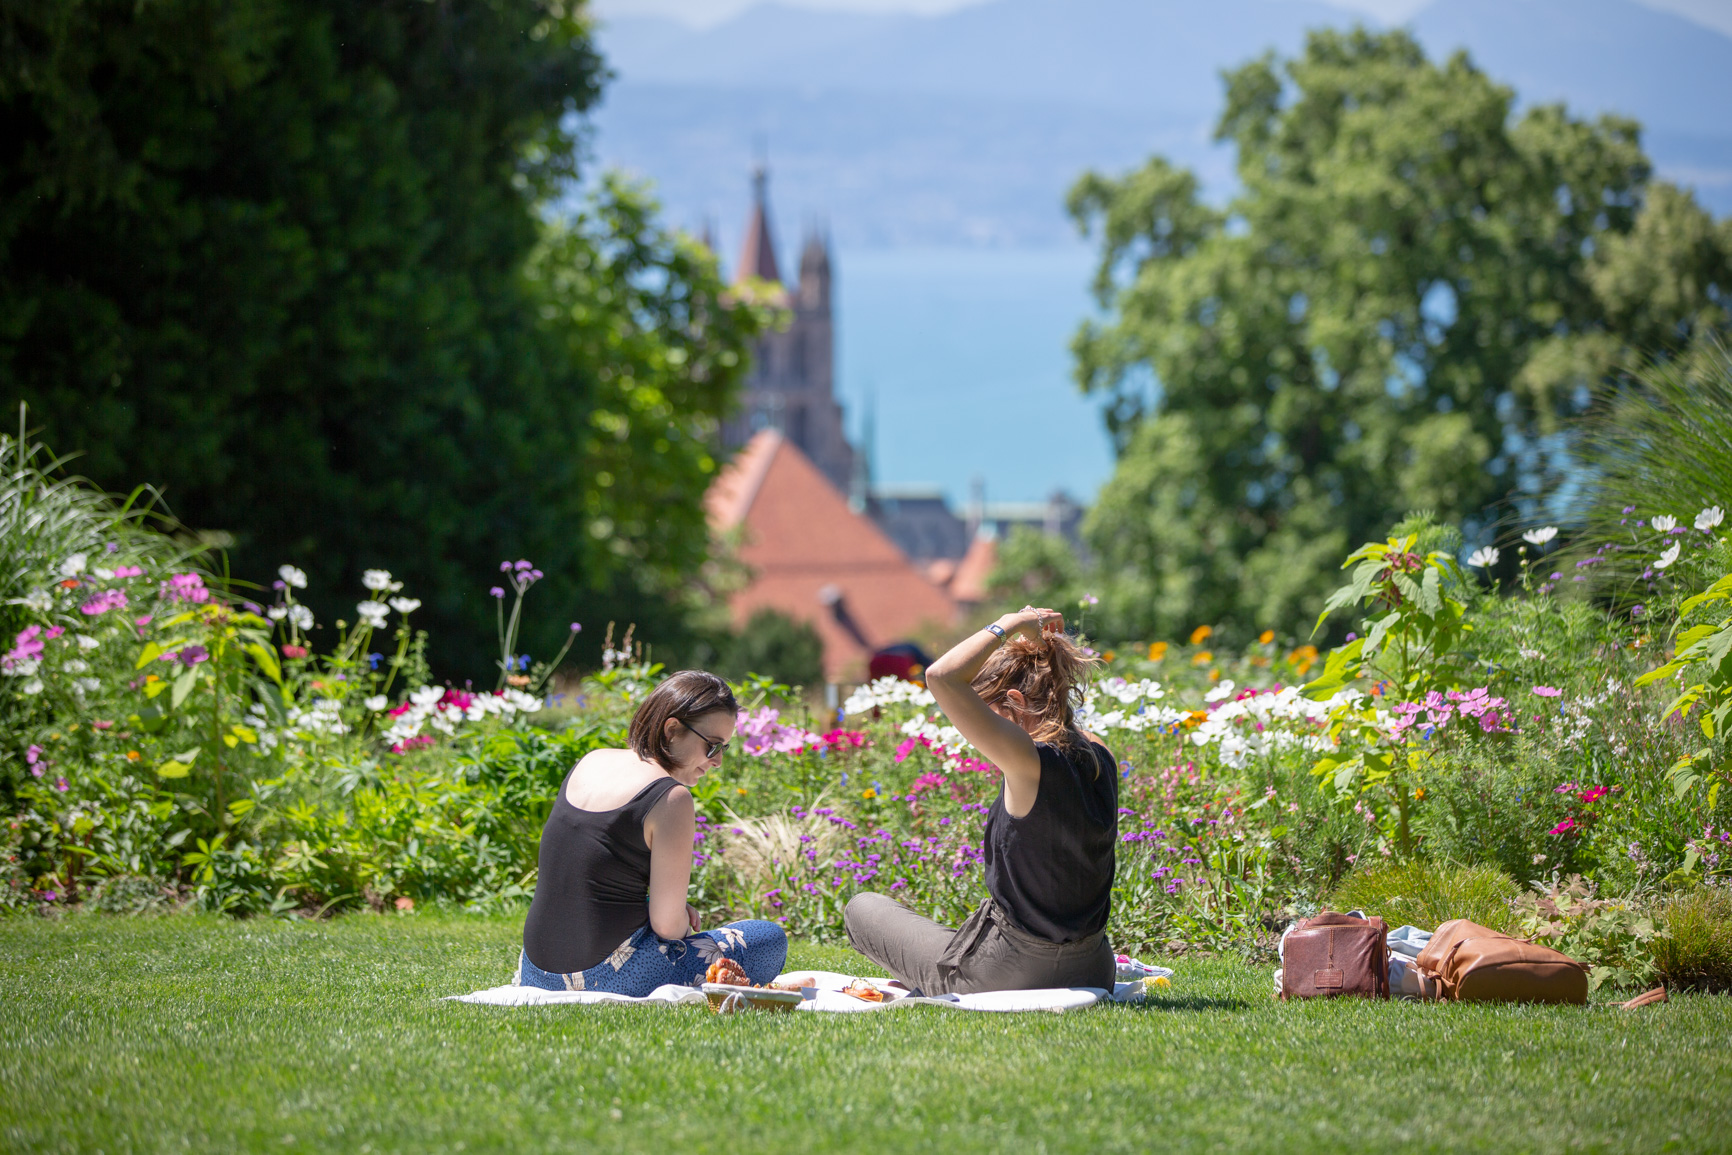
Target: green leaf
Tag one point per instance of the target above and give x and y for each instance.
(267, 661)
(1430, 593)
(151, 652)
(174, 768)
(183, 686)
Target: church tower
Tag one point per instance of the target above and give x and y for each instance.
(792, 384)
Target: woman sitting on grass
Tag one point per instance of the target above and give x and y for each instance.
(610, 910)
(1011, 689)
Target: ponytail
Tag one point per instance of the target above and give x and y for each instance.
(1051, 675)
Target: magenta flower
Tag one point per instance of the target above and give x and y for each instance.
(1547, 691)
(128, 571)
(1565, 826)
(60, 784)
(103, 602)
(185, 587)
(27, 646)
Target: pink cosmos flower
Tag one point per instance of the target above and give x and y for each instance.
(27, 646)
(128, 571)
(103, 602)
(1547, 691)
(1565, 826)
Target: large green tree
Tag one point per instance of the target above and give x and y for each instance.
(291, 261)
(1410, 293)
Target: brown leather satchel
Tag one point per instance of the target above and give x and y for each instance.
(1472, 963)
(1336, 954)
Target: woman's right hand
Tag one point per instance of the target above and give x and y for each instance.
(1031, 622)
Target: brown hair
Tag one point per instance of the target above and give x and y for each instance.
(687, 695)
(1050, 673)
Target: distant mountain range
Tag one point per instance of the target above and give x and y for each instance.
(967, 128)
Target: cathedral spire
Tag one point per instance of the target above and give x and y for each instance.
(758, 254)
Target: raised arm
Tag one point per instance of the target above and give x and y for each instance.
(1003, 742)
(668, 830)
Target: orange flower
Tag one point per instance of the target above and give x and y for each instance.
(1202, 657)
(1201, 634)
(1214, 675)
(1195, 718)
(1157, 651)
(1266, 637)
(1109, 656)
(133, 755)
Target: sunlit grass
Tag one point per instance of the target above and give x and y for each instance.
(197, 1034)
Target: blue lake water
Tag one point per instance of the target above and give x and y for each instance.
(965, 356)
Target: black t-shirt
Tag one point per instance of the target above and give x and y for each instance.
(1052, 869)
(592, 888)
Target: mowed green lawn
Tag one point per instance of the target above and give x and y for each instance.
(205, 1035)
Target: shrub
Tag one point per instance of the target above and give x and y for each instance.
(1613, 937)
(1426, 894)
(1698, 950)
(774, 644)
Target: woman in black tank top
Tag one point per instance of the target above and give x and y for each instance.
(609, 912)
(1050, 836)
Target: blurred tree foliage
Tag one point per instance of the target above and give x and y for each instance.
(290, 260)
(1411, 293)
(774, 644)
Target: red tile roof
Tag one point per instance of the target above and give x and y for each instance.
(816, 560)
(968, 581)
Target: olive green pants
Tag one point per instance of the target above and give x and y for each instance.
(986, 953)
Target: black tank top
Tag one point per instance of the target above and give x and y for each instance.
(592, 888)
(1051, 870)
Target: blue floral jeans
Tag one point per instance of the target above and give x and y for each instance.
(646, 961)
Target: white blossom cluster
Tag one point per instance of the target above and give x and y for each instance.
(1261, 724)
(1139, 707)
(886, 691)
(427, 708)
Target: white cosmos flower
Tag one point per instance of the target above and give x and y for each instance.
(372, 613)
(405, 605)
(377, 579)
(277, 613)
(86, 642)
(104, 574)
(77, 666)
(1709, 518)
(1532, 655)
(39, 600)
(34, 686)
(1540, 536)
(1665, 523)
(1667, 558)
(377, 702)
(301, 617)
(292, 577)
(88, 685)
(1484, 557)
(74, 565)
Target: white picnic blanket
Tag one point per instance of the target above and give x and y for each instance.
(824, 993)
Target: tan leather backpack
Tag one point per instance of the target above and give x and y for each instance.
(1335, 954)
(1472, 963)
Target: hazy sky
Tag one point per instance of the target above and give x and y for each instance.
(1714, 13)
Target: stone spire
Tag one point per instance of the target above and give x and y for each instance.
(758, 254)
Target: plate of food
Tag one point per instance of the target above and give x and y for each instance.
(728, 989)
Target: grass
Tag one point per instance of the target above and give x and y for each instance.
(1425, 895)
(182, 1033)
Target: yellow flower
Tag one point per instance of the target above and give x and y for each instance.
(1161, 981)
(1214, 675)
(1202, 657)
(868, 793)
(741, 790)
(1157, 651)
(1266, 637)
(1201, 634)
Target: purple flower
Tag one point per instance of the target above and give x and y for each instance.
(1351, 636)
(1557, 577)
(103, 602)
(1629, 509)
(60, 785)
(504, 567)
(577, 627)
(496, 592)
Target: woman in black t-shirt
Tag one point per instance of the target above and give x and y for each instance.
(1012, 690)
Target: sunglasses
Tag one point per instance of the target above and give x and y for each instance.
(712, 746)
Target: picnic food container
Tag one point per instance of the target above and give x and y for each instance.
(725, 999)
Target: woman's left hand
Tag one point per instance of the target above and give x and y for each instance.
(692, 917)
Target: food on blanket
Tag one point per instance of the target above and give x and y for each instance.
(861, 989)
(727, 972)
(793, 983)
